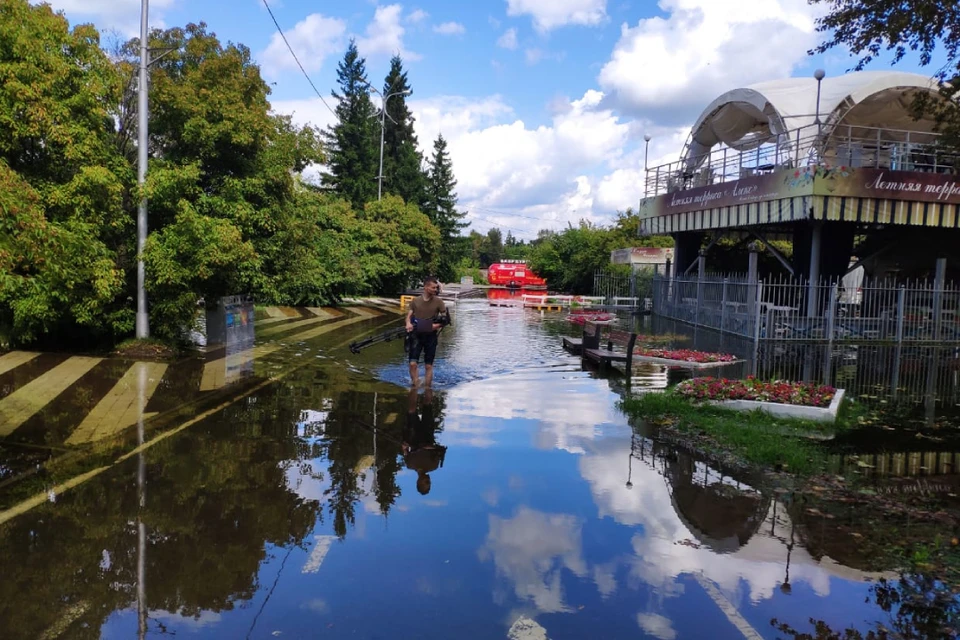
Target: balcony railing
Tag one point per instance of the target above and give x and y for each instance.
(848, 145)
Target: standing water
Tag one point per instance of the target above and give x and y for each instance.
(513, 500)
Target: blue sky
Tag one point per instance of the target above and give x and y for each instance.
(544, 102)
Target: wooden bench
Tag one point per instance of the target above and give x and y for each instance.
(606, 356)
(588, 338)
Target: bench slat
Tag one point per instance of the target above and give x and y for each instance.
(603, 354)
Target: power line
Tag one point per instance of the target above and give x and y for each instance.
(290, 49)
(503, 226)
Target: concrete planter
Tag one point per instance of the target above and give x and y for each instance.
(780, 410)
(683, 363)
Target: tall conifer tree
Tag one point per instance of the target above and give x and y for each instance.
(441, 207)
(353, 143)
(402, 160)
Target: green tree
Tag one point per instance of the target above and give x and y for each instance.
(399, 244)
(869, 27)
(402, 160)
(220, 185)
(63, 227)
(353, 142)
(569, 260)
(441, 207)
(493, 247)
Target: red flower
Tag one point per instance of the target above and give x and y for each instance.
(796, 393)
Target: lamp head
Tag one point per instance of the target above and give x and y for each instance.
(646, 137)
(819, 74)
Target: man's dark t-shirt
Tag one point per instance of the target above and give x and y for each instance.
(425, 311)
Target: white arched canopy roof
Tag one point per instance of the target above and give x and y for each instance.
(748, 117)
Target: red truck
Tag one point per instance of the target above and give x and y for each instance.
(514, 274)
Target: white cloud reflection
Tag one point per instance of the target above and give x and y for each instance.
(531, 550)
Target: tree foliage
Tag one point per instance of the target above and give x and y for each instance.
(869, 27)
(61, 181)
(353, 142)
(402, 171)
(441, 207)
(227, 212)
(569, 259)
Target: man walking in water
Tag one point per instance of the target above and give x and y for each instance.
(421, 319)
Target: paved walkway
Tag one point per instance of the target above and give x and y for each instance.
(73, 409)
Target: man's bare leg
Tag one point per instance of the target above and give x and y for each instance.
(428, 375)
(414, 374)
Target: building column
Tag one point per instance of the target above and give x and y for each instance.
(686, 249)
(816, 238)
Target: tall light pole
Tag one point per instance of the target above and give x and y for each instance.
(646, 149)
(142, 319)
(818, 75)
(383, 126)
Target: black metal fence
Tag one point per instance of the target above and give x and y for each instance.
(786, 309)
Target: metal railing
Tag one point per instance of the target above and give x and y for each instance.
(840, 145)
(620, 288)
(908, 373)
(786, 309)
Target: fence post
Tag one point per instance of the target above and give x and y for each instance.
(901, 298)
(939, 284)
(831, 322)
(701, 274)
(756, 321)
(723, 306)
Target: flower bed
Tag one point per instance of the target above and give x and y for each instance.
(661, 338)
(599, 318)
(684, 355)
(778, 392)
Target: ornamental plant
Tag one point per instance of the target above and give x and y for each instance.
(778, 391)
(684, 355)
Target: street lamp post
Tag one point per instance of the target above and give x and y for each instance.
(142, 321)
(818, 75)
(646, 150)
(383, 126)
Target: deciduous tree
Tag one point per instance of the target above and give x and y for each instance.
(869, 27)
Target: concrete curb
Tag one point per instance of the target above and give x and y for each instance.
(780, 410)
(683, 363)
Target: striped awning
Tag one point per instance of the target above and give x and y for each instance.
(741, 215)
(828, 208)
(883, 211)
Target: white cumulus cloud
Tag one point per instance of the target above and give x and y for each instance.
(508, 40)
(384, 35)
(312, 39)
(418, 15)
(673, 67)
(551, 14)
(450, 29)
(120, 15)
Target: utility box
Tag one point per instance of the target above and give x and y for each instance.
(230, 322)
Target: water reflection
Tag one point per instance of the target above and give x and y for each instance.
(306, 505)
(421, 453)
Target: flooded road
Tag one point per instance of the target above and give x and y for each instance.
(301, 491)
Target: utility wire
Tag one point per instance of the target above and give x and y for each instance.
(290, 49)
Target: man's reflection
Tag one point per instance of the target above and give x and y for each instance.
(420, 449)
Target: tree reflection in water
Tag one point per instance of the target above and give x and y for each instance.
(921, 608)
(218, 497)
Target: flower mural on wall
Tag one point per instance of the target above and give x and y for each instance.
(804, 176)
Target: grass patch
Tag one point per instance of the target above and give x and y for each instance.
(147, 348)
(753, 438)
